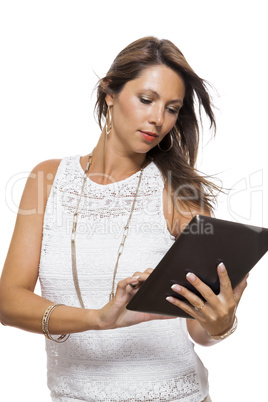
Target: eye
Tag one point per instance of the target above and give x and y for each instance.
(144, 100)
(173, 110)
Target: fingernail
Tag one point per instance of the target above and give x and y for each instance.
(170, 299)
(135, 278)
(190, 277)
(176, 287)
(222, 267)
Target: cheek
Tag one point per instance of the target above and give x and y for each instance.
(170, 123)
(128, 111)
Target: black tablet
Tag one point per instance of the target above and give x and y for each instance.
(204, 243)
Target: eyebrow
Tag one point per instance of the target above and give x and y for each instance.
(158, 96)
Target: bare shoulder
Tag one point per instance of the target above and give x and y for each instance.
(22, 262)
(178, 216)
(49, 166)
(38, 186)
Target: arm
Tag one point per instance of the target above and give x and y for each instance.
(217, 315)
(19, 305)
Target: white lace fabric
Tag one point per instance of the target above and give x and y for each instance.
(153, 361)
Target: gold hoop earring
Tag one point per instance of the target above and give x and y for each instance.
(108, 122)
(169, 148)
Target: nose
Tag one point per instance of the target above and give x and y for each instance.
(157, 116)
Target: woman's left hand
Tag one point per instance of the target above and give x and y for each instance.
(216, 315)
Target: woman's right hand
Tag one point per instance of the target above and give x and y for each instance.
(115, 315)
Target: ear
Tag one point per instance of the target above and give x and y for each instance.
(109, 98)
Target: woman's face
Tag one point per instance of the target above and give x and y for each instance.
(145, 110)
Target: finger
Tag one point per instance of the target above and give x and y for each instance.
(192, 298)
(123, 292)
(225, 283)
(135, 283)
(142, 275)
(202, 288)
(239, 289)
(123, 284)
(142, 278)
(137, 273)
(183, 306)
(149, 270)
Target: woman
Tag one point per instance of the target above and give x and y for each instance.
(98, 226)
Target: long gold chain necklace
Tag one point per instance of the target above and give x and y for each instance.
(73, 237)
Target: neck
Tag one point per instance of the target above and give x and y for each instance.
(110, 164)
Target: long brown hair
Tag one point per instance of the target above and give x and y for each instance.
(178, 164)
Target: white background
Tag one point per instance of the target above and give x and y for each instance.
(51, 55)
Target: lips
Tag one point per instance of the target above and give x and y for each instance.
(148, 136)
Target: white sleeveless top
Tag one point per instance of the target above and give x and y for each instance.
(152, 361)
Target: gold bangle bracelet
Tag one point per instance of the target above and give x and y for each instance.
(45, 321)
(228, 333)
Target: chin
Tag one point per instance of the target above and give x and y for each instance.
(143, 150)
